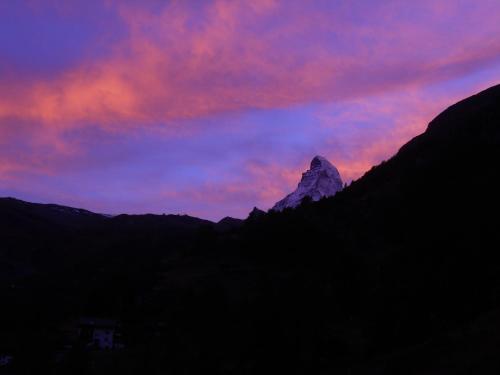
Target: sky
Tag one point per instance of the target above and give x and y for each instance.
(210, 108)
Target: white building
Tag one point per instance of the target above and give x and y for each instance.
(100, 333)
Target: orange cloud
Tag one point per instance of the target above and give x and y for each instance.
(188, 62)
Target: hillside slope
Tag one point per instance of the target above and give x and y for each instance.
(399, 273)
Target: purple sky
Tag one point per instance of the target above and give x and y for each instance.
(212, 107)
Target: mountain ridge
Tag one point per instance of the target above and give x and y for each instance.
(397, 273)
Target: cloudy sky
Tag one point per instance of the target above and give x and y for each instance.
(210, 108)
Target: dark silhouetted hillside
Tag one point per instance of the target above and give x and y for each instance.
(399, 273)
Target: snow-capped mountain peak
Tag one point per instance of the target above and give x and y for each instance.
(321, 180)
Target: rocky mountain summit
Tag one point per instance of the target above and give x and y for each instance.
(321, 180)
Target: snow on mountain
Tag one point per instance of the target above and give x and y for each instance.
(321, 180)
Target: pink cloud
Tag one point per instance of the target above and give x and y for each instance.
(257, 182)
(392, 120)
(182, 64)
(186, 62)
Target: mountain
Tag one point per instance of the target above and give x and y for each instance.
(255, 214)
(228, 223)
(405, 260)
(37, 239)
(321, 180)
(399, 273)
(17, 213)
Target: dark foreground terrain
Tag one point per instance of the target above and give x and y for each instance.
(399, 273)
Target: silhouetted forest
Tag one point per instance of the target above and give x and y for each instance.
(399, 273)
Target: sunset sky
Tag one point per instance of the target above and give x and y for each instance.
(210, 108)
